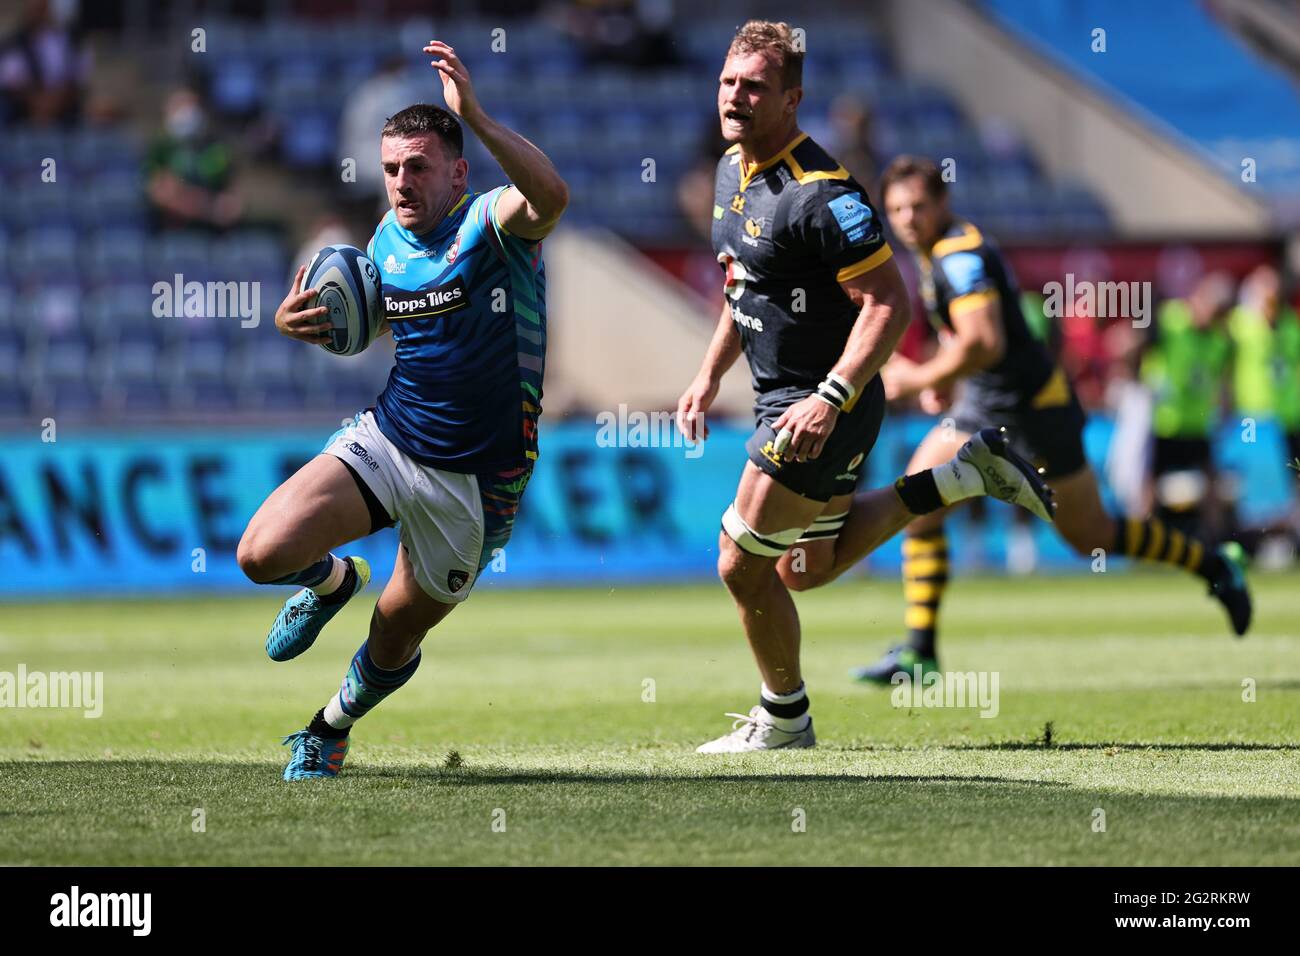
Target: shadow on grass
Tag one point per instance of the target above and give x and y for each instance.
(1102, 745)
(490, 775)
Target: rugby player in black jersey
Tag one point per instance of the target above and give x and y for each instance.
(1007, 379)
(817, 305)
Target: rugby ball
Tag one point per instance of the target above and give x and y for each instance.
(347, 283)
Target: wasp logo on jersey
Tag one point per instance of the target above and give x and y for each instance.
(402, 305)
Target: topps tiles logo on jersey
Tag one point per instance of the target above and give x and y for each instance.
(78, 909)
(403, 306)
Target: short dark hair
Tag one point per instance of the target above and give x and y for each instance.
(776, 40)
(426, 118)
(905, 167)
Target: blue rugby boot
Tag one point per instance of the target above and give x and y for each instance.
(314, 756)
(305, 614)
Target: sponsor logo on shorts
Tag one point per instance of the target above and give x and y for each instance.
(456, 580)
(367, 459)
(768, 451)
(852, 471)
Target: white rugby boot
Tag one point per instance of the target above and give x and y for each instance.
(757, 732)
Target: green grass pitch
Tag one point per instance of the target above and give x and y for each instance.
(559, 759)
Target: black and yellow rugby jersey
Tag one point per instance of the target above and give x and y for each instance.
(786, 232)
(963, 271)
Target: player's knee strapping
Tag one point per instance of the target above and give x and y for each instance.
(364, 686)
(925, 575)
(1152, 540)
(826, 526)
(771, 545)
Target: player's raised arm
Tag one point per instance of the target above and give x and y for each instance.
(532, 208)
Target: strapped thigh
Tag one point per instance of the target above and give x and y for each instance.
(771, 545)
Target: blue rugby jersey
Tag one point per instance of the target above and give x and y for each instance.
(467, 306)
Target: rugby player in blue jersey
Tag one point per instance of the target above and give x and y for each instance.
(449, 445)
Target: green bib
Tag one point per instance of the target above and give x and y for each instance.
(1186, 370)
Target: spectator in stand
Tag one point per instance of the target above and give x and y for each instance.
(636, 33)
(190, 171)
(43, 66)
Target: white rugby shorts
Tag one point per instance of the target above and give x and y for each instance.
(439, 513)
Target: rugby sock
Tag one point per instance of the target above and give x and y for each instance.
(364, 686)
(321, 728)
(340, 584)
(311, 576)
(925, 575)
(919, 492)
(1150, 540)
(789, 712)
(935, 488)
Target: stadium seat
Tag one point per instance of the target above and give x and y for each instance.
(115, 254)
(14, 400)
(117, 197)
(46, 252)
(237, 85)
(309, 140)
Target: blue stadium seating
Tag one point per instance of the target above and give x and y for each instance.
(92, 342)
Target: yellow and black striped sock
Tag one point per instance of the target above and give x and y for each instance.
(925, 574)
(1151, 540)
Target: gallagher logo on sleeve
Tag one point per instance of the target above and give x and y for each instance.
(854, 217)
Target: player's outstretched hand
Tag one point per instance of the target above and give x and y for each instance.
(456, 87)
(691, 407)
(295, 320)
(809, 423)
